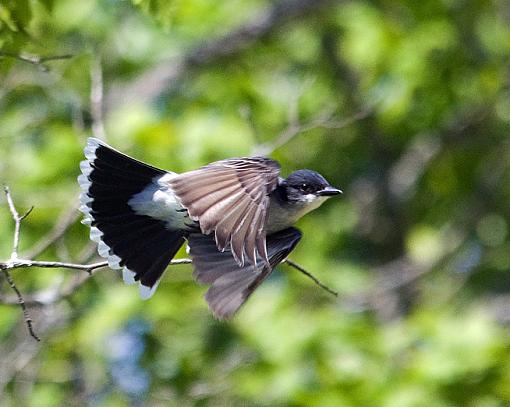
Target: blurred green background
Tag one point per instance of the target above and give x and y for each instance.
(405, 105)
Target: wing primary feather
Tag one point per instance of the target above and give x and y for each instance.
(239, 241)
(223, 231)
(250, 247)
(209, 218)
(230, 197)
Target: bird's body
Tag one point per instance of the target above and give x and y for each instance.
(159, 201)
(236, 216)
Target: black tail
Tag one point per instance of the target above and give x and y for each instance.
(140, 245)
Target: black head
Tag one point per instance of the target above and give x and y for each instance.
(303, 185)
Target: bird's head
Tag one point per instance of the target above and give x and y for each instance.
(309, 188)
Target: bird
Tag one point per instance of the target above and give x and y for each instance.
(236, 216)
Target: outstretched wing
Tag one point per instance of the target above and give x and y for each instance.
(232, 285)
(230, 197)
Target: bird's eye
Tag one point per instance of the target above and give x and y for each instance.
(305, 187)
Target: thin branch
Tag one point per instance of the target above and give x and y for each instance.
(46, 297)
(37, 60)
(17, 221)
(54, 294)
(21, 302)
(24, 263)
(311, 276)
(14, 257)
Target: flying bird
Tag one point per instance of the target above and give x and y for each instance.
(235, 214)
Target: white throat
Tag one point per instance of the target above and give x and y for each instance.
(283, 216)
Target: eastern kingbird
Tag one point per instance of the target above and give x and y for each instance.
(235, 214)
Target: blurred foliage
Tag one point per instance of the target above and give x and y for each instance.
(418, 246)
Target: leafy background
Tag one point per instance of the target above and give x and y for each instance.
(404, 105)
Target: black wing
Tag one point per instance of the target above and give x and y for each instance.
(232, 285)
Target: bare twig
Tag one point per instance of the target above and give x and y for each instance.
(54, 294)
(311, 276)
(42, 298)
(17, 221)
(22, 263)
(21, 302)
(37, 60)
(14, 256)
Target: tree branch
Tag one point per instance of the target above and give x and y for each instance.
(17, 221)
(37, 60)
(14, 256)
(301, 269)
(89, 268)
(24, 263)
(21, 302)
(55, 294)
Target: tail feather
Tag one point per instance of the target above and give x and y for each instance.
(121, 171)
(130, 243)
(141, 251)
(125, 236)
(152, 275)
(121, 183)
(116, 160)
(105, 190)
(139, 244)
(119, 219)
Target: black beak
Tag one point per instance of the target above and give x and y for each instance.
(329, 191)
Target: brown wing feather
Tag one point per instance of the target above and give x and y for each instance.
(230, 197)
(226, 226)
(209, 219)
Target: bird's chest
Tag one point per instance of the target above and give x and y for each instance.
(282, 215)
